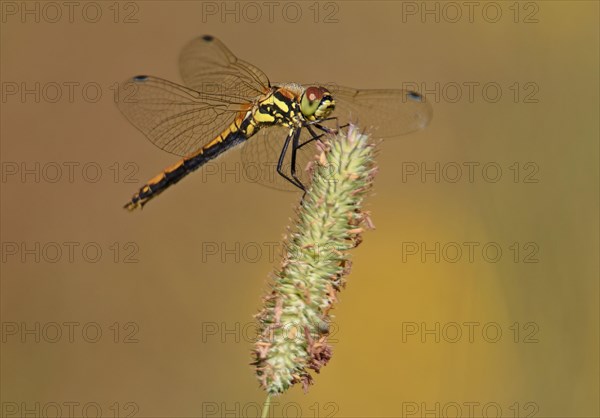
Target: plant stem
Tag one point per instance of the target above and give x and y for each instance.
(266, 406)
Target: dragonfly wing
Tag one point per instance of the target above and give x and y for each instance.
(207, 65)
(261, 153)
(388, 113)
(175, 118)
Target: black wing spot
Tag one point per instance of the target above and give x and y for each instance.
(208, 38)
(140, 78)
(415, 96)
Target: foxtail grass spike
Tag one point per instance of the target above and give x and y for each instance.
(294, 321)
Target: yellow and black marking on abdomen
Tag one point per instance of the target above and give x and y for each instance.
(231, 137)
(278, 108)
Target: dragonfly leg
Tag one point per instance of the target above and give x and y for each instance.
(289, 138)
(313, 134)
(295, 146)
(325, 130)
(329, 130)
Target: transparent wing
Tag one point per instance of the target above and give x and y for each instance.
(207, 65)
(174, 118)
(385, 113)
(181, 119)
(261, 152)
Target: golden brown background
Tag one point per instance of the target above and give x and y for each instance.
(184, 315)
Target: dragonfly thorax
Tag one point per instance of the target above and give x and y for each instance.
(279, 107)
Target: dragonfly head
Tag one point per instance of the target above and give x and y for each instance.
(316, 103)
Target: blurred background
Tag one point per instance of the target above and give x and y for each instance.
(476, 294)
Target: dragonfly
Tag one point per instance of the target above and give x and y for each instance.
(228, 102)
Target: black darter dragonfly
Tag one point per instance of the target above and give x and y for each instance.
(228, 102)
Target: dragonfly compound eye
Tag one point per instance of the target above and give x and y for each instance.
(316, 103)
(311, 98)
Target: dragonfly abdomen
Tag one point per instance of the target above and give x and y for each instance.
(172, 175)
